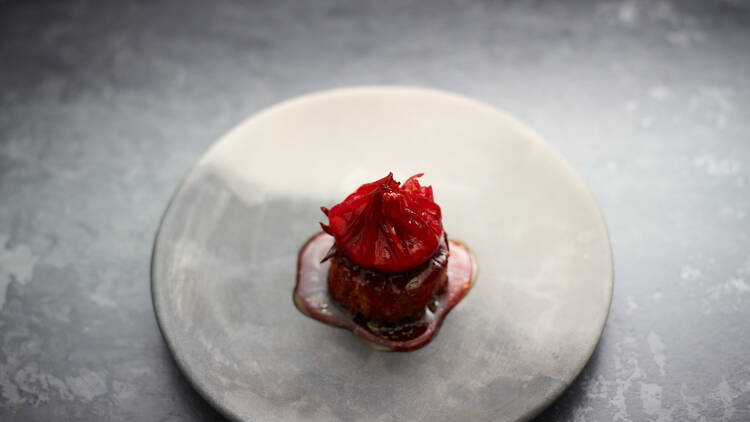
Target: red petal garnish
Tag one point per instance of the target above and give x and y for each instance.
(387, 226)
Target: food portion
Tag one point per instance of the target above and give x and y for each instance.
(389, 273)
(391, 255)
(388, 297)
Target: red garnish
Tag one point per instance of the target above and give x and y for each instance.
(386, 226)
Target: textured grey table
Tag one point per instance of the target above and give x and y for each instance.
(104, 107)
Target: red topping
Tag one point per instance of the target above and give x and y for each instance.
(387, 226)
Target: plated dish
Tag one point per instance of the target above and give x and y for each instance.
(383, 267)
(225, 263)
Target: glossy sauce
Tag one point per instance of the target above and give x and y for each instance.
(312, 297)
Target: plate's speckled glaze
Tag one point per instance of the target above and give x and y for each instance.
(225, 259)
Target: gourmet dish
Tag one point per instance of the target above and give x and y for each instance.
(383, 267)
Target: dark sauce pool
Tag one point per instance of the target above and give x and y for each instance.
(312, 298)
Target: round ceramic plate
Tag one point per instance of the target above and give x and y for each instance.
(225, 256)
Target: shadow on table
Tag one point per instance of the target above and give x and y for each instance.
(193, 406)
(564, 407)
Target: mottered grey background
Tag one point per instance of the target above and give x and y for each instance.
(104, 106)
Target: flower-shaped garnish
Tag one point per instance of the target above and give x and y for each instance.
(387, 226)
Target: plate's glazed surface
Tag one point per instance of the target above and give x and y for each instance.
(225, 260)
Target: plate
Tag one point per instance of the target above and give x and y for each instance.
(224, 263)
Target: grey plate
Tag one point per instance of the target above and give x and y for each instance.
(224, 263)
